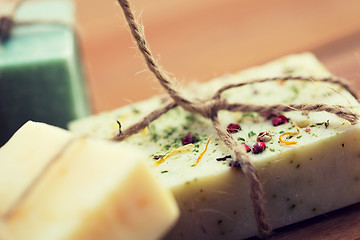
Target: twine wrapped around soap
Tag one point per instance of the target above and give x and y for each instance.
(13, 208)
(209, 108)
(7, 23)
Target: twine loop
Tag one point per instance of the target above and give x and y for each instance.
(7, 22)
(209, 108)
(6, 25)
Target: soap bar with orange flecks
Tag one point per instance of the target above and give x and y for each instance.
(309, 163)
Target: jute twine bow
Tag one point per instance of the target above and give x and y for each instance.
(209, 108)
(7, 23)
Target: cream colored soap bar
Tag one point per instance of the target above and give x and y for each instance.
(90, 189)
(22, 159)
(318, 174)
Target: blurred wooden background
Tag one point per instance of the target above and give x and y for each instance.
(198, 40)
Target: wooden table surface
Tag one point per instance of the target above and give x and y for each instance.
(198, 40)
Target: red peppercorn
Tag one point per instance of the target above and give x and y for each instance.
(247, 148)
(283, 118)
(188, 139)
(279, 120)
(259, 147)
(233, 128)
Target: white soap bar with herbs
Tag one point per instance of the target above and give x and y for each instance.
(90, 189)
(318, 174)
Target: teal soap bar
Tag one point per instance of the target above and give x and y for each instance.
(41, 77)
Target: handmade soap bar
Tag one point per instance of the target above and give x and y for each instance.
(25, 157)
(89, 189)
(41, 75)
(310, 166)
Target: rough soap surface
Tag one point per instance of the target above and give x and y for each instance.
(300, 181)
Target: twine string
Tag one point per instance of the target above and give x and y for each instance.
(335, 80)
(32, 185)
(248, 168)
(164, 79)
(209, 108)
(7, 22)
(143, 123)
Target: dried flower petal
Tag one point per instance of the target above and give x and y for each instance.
(233, 128)
(188, 139)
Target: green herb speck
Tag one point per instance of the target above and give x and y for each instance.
(248, 114)
(294, 89)
(288, 70)
(190, 117)
(155, 137)
(135, 110)
(169, 131)
(250, 134)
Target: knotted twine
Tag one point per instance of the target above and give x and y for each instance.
(209, 108)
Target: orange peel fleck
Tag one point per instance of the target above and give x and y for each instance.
(203, 152)
(288, 133)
